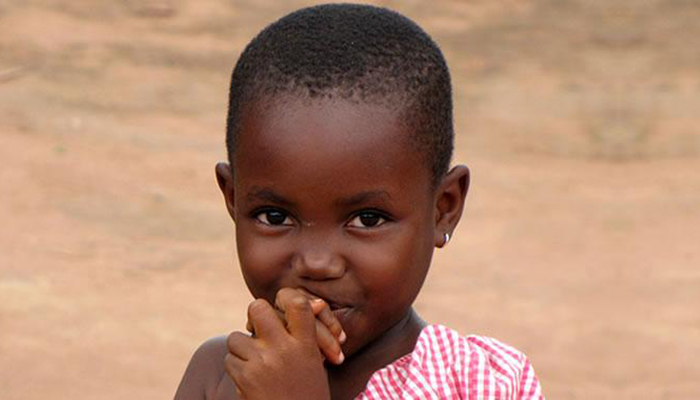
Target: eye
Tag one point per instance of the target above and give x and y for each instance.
(274, 218)
(367, 219)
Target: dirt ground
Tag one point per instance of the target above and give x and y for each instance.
(579, 244)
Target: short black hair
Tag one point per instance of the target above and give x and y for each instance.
(356, 52)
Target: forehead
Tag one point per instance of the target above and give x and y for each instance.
(330, 140)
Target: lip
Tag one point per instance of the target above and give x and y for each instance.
(335, 300)
(342, 314)
(335, 306)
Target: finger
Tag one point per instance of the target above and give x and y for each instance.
(265, 322)
(327, 342)
(316, 302)
(301, 322)
(280, 315)
(241, 345)
(324, 314)
(307, 293)
(323, 311)
(234, 368)
(317, 305)
(249, 327)
(329, 345)
(228, 386)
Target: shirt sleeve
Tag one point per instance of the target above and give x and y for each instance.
(529, 384)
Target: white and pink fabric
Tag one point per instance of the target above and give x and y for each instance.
(445, 365)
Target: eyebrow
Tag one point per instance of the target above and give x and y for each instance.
(267, 195)
(363, 197)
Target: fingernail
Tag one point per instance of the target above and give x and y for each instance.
(343, 337)
(341, 358)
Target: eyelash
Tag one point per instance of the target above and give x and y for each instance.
(265, 212)
(383, 218)
(371, 213)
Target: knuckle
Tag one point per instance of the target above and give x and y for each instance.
(323, 307)
(230, 366)
(287, 290)
(284, 293)
(335, 327)
(233, 339)
(265, 362)
(257, 306)
(291, 299)
(299, 303)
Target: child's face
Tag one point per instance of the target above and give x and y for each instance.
(333, 198)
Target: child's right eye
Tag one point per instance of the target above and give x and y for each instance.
(274, 218)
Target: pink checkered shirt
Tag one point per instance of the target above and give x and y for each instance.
(445, 365)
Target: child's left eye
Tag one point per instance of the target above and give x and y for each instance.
(367, 219)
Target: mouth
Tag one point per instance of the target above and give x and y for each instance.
(334, 306)
(334, 301)
(341, 311)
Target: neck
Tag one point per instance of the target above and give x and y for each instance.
(348, 379)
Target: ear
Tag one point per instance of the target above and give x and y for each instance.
(224, 177)
(449, 202)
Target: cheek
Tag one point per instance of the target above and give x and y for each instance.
(262, 264)
(397, 269)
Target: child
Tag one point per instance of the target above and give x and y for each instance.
(339, 139)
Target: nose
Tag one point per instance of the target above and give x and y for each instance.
(318, 263)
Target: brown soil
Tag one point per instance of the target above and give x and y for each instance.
(579, 244)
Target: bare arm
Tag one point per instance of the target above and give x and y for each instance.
(205, 372)
(206, 379)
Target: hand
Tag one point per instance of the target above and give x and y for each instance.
(279, 362)
(329, 333)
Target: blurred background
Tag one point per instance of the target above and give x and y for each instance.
(579, 243)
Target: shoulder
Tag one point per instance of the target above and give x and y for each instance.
(497, 351)
(453, 346)
(508, 364)
(485, 359)
(204, 371)
(447, 365)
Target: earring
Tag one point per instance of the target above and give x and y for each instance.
(447, 239)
